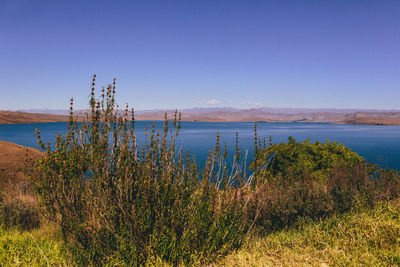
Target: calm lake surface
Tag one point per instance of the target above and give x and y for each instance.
(378, 144)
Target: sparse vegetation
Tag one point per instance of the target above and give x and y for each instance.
(118, 202)
(18, 207)
(19, 214)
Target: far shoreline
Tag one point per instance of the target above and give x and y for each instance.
(358, 118)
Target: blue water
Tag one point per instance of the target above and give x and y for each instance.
(378, 144)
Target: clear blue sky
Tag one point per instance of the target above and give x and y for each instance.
(180, 54)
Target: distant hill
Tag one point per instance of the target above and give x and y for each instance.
(201, 110)
(13, 117)
(259, 115)
(46, 111)
(338, 116)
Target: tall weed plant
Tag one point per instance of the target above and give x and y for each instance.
(118, 201)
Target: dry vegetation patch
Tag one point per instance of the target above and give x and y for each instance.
(18, 202)
(368, 237)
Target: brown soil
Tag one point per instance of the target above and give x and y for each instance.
(11, 117)
(12, 162)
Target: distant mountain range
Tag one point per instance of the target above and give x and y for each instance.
(200, 110)
(339, 116)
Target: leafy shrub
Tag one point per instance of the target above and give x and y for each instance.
(299, 179)
(293, 159)
(120, 202)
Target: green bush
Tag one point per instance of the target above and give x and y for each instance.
(293, 159)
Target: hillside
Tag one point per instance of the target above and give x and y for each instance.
(378, 118)
(230, 115)
(258, 115)
(12, 157)
(12, 117)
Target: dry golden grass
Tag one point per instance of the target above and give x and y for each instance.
(12, 157)
(366, 238)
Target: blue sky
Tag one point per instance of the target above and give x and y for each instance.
(187, 53)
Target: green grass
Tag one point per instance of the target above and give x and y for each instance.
(41, 247)
(368, 237)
